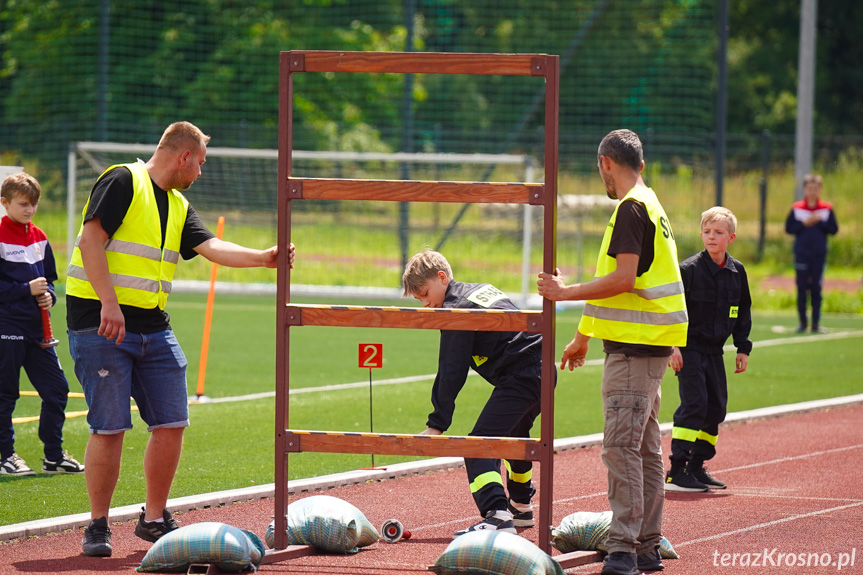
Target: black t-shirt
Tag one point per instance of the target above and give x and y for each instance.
(633, 234)
(109, 201)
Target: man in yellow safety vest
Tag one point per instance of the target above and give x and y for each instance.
(636, 305)
(136, 226)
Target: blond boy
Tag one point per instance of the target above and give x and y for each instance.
(718, 301)
(510, 361)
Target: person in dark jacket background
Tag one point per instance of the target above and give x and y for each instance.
(719, 305)
(27, 276)
(510, 361)
(810, 221)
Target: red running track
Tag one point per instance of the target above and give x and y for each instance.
(794, 505)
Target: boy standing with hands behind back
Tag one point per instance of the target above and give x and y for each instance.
(718, 301)
(27, 275)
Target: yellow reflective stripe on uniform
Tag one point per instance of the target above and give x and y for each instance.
(635, 316)
(171, 256)
(485, 479)
(684, 434)
(657, 292)
(133, 249)
(704, 436)
(518, 477)
(119, 280)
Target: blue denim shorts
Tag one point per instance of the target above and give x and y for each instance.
(148, 367)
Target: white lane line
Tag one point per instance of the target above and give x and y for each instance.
(768, 524)
(793, 458)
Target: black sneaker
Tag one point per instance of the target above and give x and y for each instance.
(522, 513)
(620, 563)
(97, 539)
(66, 464)
(650, 561)
(701, 474)
(683, 481)
(495, 520)
(152, 530)
(14, 465)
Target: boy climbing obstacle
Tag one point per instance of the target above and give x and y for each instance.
(510, 361)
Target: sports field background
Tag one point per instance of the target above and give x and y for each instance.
(230, 443)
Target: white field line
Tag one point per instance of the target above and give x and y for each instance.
(591, 362)
(794, 457)
(768, 524)
(748, 529)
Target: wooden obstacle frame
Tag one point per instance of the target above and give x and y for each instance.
(292, 189)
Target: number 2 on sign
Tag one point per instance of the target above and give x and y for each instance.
(371, 355)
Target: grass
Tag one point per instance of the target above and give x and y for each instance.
(230, 445)
(363, 238)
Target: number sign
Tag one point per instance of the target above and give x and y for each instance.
(371, 355)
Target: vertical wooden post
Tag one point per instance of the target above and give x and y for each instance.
(552, 94)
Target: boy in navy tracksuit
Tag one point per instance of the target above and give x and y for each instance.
(718, 302)
(510, 361)
(27, 275)
(810, 221)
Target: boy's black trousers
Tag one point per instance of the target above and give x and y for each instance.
(509, 412)
(703, 401)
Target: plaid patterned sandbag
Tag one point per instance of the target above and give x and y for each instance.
(582, 531)
(666, 551)
(228, 547)
(588, 531)
(494, 553)
(328, 523)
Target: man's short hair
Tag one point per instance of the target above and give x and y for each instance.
(181, 136)
(811, 179)
(21, 184)
(720, 214)
(422, 267)
(624, 148)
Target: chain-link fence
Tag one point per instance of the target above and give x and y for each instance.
(105, 70)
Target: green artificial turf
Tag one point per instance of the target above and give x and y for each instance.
(230, 443)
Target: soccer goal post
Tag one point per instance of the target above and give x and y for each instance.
(344, 247)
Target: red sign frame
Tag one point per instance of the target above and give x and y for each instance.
(371, 355)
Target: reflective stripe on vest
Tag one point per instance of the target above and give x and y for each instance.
(141, 271)
(654, 311)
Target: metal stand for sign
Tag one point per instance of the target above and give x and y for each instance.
(289, 315)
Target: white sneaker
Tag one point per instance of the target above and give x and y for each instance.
(522, 513)
(14, 465)
(495, 520)
(66, 464)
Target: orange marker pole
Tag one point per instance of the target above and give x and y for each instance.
(205, 343)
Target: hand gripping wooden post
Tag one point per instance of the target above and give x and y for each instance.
(289, 315)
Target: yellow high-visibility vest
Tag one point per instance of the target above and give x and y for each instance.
(654, 312)
(141, 270)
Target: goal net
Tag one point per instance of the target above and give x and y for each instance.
(352, 248)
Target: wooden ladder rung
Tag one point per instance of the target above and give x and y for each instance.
(525, 449)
